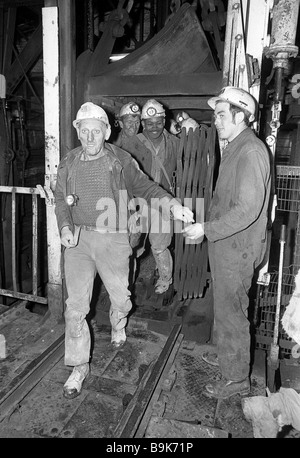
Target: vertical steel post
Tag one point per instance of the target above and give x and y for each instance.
(67, 57)
(34, 244)
(52, 155)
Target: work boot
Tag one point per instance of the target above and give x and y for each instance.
(164, 265)
(162, 286)
(73, 385)
(210, 358)
(223, 389)
(118, 337)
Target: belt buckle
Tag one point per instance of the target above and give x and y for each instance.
(89, 228)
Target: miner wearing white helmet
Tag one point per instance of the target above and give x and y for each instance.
(95, 181)
(129, 120)
(237, 234)
(183, 121)
(156, 150)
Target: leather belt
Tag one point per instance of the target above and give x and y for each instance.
(94, 229)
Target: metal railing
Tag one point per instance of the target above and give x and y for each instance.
(34, 297)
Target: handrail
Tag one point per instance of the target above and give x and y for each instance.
(16, 293)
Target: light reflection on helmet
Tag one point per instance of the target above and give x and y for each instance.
(90, 111)
(152, 109)
(130, 108)
(236, 96)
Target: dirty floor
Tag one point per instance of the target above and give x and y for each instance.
(180, 410)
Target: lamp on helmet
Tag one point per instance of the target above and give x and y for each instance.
(236, 96)
(153, 109)
(181, 116)
(130, 108)
(91, 111)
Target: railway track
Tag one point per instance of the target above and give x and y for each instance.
(152, 387)
(137, 391)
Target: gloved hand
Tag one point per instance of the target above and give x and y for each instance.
(182, 213)
(67, 237)
(194, 231)
(189, 123)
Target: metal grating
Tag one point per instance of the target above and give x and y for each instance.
(267, 304)
(288, 200)
(288, 188)
(187, 400)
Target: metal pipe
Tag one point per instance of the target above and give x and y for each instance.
(283, 34)
(278, 97)
(19, 190)
(24, 296)
(284, 23)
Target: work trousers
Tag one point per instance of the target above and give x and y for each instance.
(163, 259)
(108, 254)
(160, 232)
(232, 271)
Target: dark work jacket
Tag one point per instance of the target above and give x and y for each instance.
(238, 213)
(143, 155)
(125, 175)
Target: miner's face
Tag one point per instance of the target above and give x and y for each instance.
(91, 133)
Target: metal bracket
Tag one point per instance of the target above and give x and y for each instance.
(274, 125)
(46, 192)
(264, 279)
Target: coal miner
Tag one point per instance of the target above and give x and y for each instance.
(156, 151)
(236, 229)
(129, 120)
(95, 183)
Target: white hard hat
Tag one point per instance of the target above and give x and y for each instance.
(130, 108)
(152, 109)
(238, 97)
(181, 116)
(189, 123)
(90, 111)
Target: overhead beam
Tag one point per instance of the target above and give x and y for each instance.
(16, 3)
(155, 85)
(113, 104)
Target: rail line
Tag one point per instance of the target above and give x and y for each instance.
(135, 417)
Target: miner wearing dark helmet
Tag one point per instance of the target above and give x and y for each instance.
(129, 120)
(156, 151)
